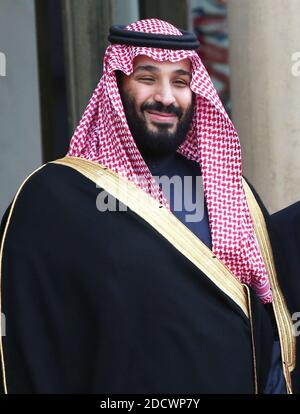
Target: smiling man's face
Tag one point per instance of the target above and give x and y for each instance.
(158, 103)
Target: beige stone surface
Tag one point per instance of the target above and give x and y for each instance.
(265, 87)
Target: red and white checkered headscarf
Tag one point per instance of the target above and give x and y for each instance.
(103, 136)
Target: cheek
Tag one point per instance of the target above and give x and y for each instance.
(141, 95)
(185, 100)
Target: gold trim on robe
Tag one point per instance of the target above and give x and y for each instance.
(281, 313)
(187, 243)
(162, 220)
(1, 255)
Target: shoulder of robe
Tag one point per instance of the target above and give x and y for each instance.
(289, 215)
(48, 181)
(33, 191)
(45, 198)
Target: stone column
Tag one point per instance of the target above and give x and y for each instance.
(173, 11)
(264, 39)
(20, 127)
(86, 26)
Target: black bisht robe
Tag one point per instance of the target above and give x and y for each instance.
(286, 236)
(103, 303)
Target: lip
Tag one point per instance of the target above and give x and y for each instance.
(162, 117)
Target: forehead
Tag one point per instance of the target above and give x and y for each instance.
(166, 66)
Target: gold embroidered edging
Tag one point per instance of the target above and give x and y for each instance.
(252, 340)
(190, 246)
(282, 316)
(165, 223)
(1, 257)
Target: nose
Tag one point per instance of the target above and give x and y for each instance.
(165, 95)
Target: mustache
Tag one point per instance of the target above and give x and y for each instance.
(159, 107)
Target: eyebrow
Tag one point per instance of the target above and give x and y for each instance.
(153, 69)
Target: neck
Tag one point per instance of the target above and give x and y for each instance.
(157, 160)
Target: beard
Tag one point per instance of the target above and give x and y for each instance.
(160, 142)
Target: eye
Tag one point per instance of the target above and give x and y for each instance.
(181, 82)
(147, 79)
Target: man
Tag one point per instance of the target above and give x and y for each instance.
(286, 229)
(113, 288)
